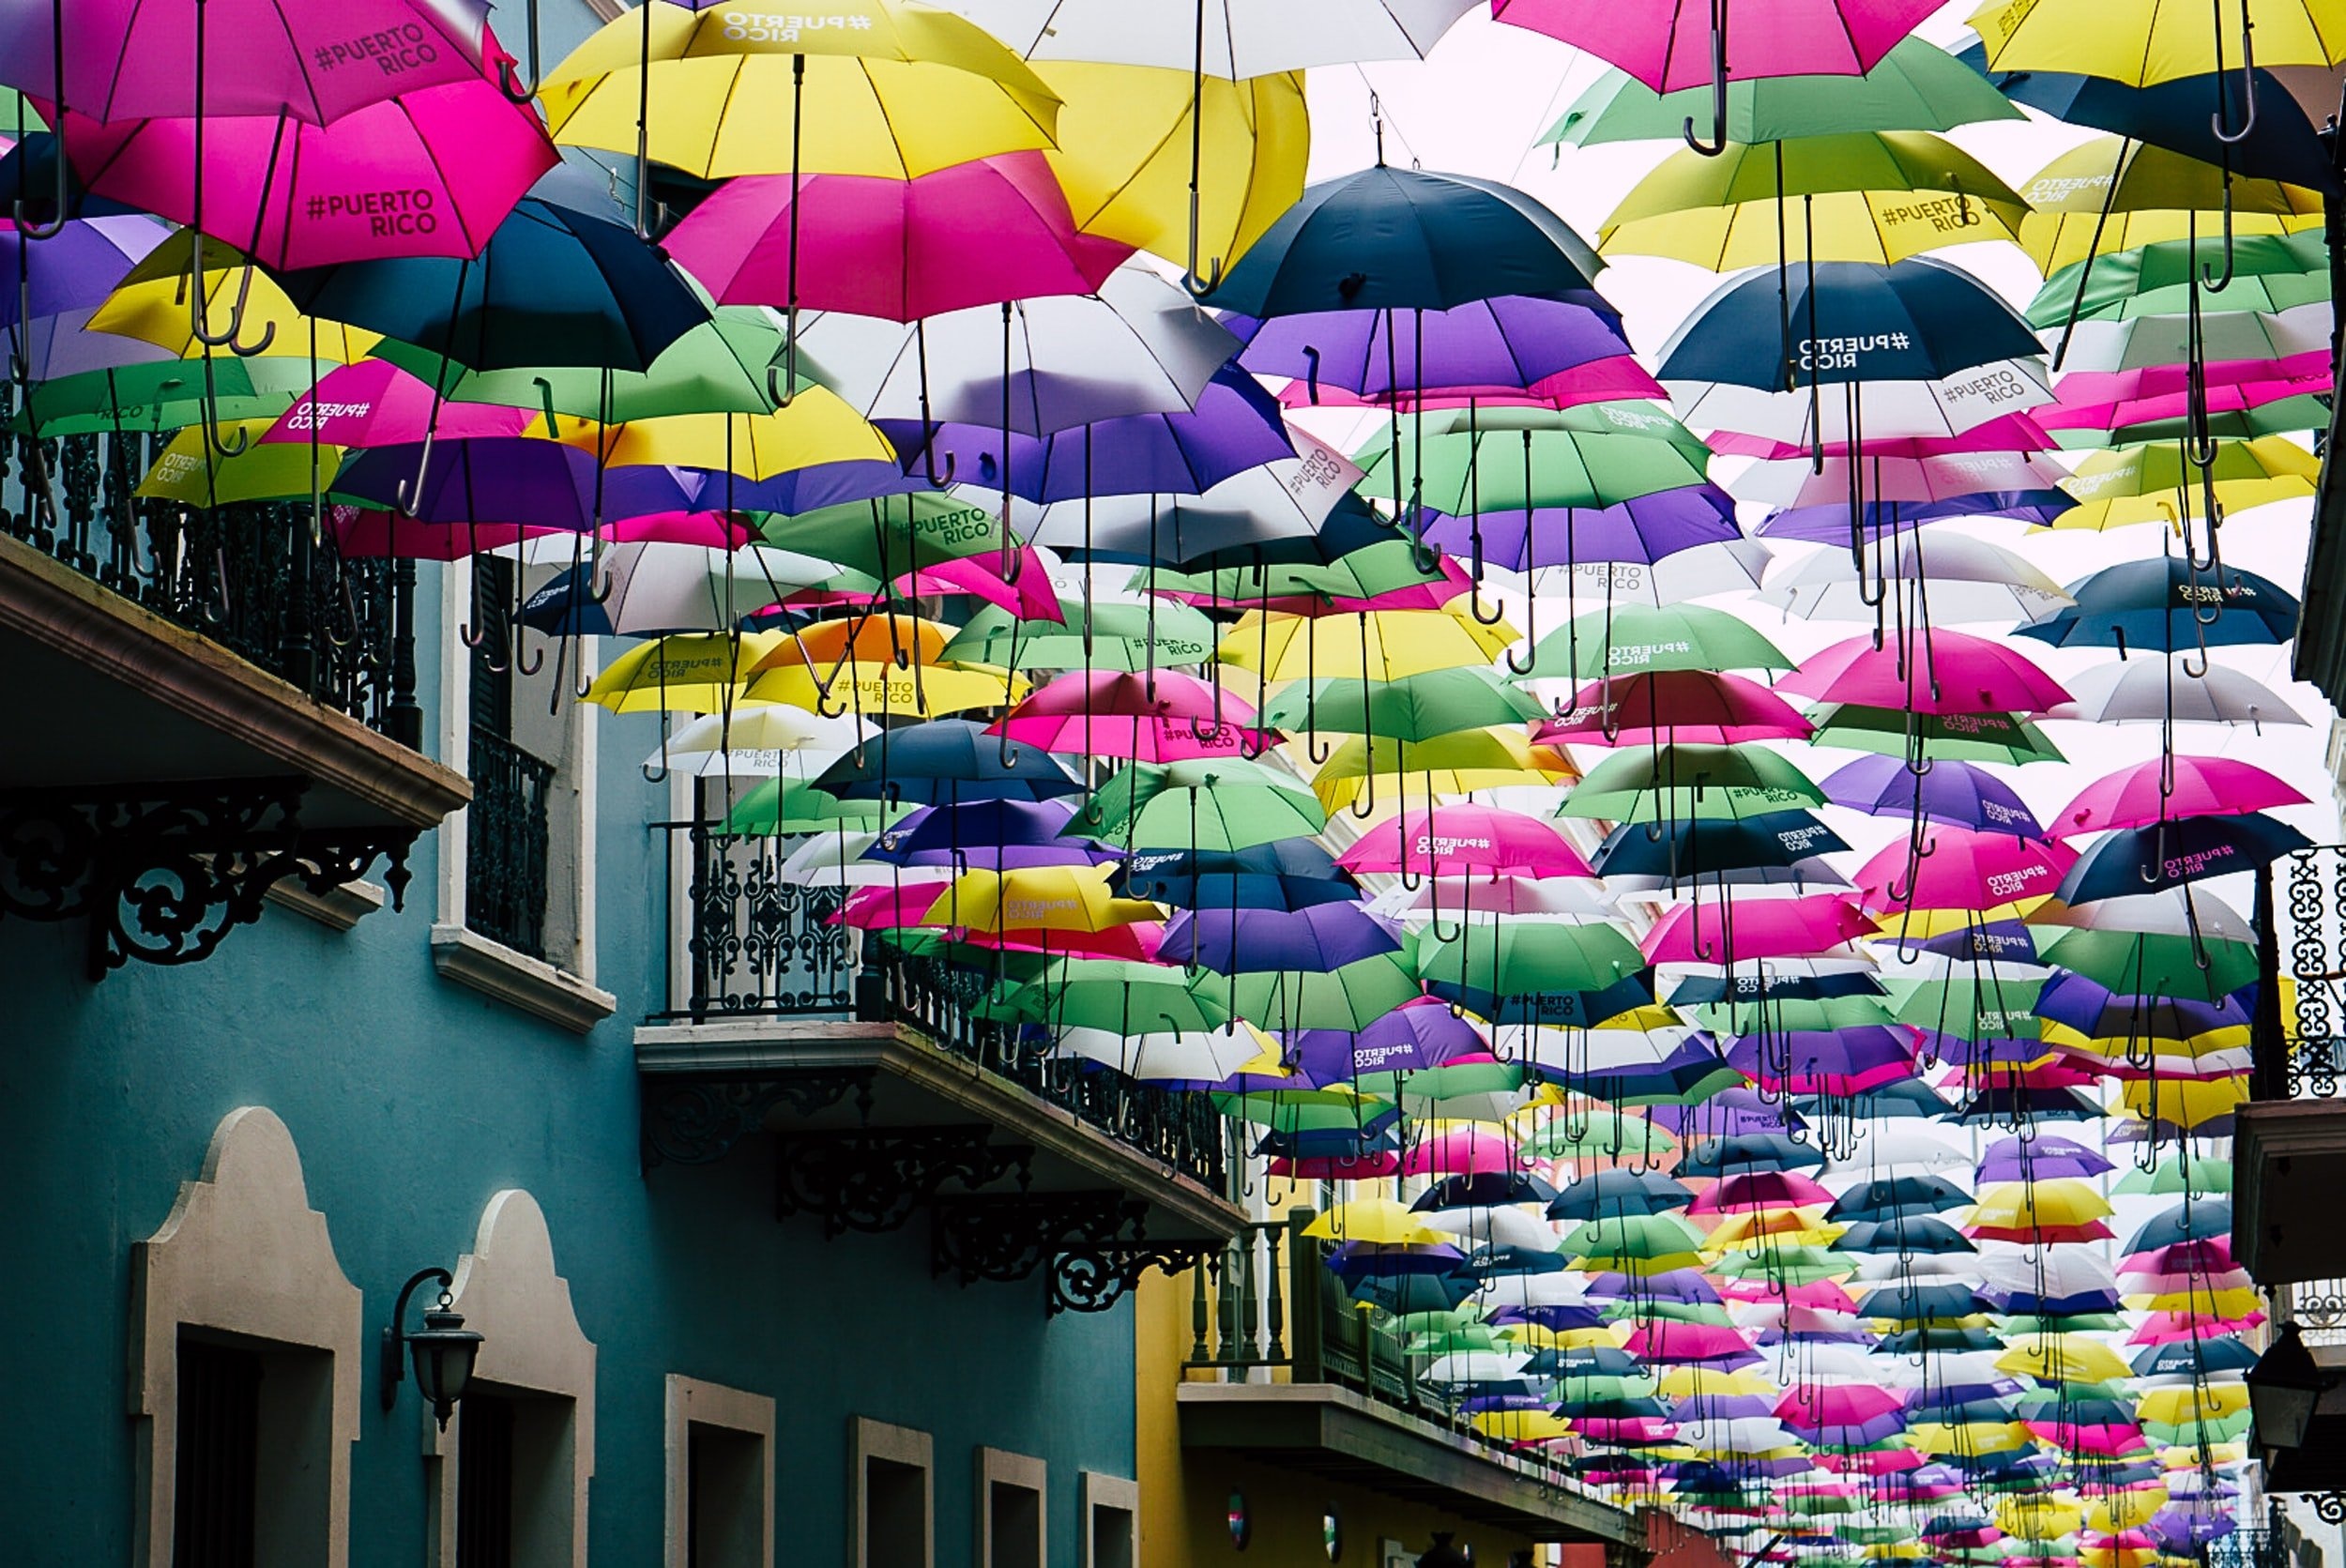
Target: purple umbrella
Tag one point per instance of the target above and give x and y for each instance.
(1732, 1113)
(75, 270)
(1826, 1062)
(1958, 793)
(62, 344)
(1829, 524)
(1722, 1407)
(820, 485)
(1412, 1037)
(516, 480)
(1995, 941)
(1235, 427)
(2099, 1013)
(1503, 344)
(1645, 530)
(2040, 1159)
(1316, 940)
(989, 835)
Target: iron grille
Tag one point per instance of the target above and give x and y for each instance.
(506, 839)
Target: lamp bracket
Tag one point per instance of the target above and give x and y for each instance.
(872, 1181)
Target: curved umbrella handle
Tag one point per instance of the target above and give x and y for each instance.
(2213, 282)
(55, 226)
(1310, 371)
(1531, 632)
(2248, 82)
(1717, 143)
(514, 88)
(781, 377)
(57, 65)
(407, 500)
(212, 437)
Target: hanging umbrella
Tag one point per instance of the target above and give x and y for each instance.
(2167, 605)
(2143, 690)
(2170, 853)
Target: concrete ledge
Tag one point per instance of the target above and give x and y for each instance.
(531, 985)
(2289, 1159)
(337, 908)
(1327, 1430)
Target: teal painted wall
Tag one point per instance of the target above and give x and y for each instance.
(413, 1100)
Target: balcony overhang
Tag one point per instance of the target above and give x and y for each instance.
(1332, 1432)
(163, 784)
(2290, 1164)
(2318, 1465)
(874, 1121)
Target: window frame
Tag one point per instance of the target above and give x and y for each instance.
(1097, 1491)
(692, 1402)
(869, 1439)
(998, 1467)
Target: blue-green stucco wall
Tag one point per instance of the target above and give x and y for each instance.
(413, 1100)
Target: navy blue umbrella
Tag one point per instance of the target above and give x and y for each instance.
(2179, 114)
(1483, 1190)
(1749, 1151)
(1712, 844)
(2009, 1106)
(2184, 1222)
(1913, 1235)
(1921, 320)
(1888, 1198)
(1388, 238)
(943, 762)
(2172, 606)
(2171, 854)
(1285, 874)
(1314, 940)
(2187, 1358)
(1619, 1192)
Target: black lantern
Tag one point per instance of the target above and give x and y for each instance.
(444, 1349)
(1441, 1554)
(2284, 1386)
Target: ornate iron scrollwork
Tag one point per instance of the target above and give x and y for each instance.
(697, 1121)
(164, 872)
(874, 1181)
(1093, 1279)
(1006, 1239)
(2330, 1507)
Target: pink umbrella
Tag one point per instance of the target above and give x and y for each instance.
(1822, 1295)
(1752, 928)
(1963, 868)
(1464, 1151)
(2108, 400)
(1451, 839)
(1812, 1406)
(1686, 706)
(1941, 673)
(1670, 44)
(889, 907)
(1667, 1339)
(1597, 381)
(1747, 1191)
(130, 59)
(975, 234)
(376, 403)
(2007, 433)
(430, 173)
(2167, 1327)
(981, 576)
(1161, 717)
(1337, 1167)
(364, 531)
(2165, 788)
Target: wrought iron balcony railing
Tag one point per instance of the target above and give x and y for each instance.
(257, 579)
(2309, 950)
(505, 860)
(751, 943)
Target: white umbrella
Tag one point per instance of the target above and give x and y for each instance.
(1212, 1055)
(2141, 690)
(1887, 410)
(755, 742)
(1565, 1287)
(836, 860)
(1794, 482)
(2044, 1271)
(2166, 340)
(1241, 38)
(1288, 498)
(1729, 565)
(651, 586)
(1961, 578)
(1139, 346)
(1451, 898)
(1497, 1227)
(1476, 1366)
(2169, 912)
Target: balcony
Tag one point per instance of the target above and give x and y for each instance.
(209, 705)
(2290, 1149)
(884, 1099)
(1284, 1370)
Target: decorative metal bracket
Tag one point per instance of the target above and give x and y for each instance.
(872, 1181)
(1094, 1244)
(697, 1121)
(2330, 1507)
(164, 872)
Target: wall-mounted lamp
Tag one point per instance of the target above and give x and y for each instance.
(444, 1349)
(2284, 1386)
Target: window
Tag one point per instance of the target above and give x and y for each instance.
(721, 1476)
(507, 890)
(893, 1514)
(1111, 1521)
(512, 1468)
(1011, 1492)
(244, 1374)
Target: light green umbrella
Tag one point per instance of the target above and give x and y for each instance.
(1348, 997)
(2180, 1173)
(2271, 273)
(1217, 803)
(164, 395)
(781, 808)
(1916, 87)
(1603, 1137)
(1123, 995)
(1638, 639)
(891, 536)
(1950, 738)
(1504, 459)
(1126, 638)
(1529, 957)
(1412, 708)
(2154, 964)
(1648, 785)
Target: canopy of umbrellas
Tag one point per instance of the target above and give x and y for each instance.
(935, 439)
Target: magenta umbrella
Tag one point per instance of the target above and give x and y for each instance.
(1463, 1151)
(133, 59)
(1452, 840)
(1161, 717)
(1937, 673)
(2165, 788)
(1749, 1190)
(430, 173)
(376, 403)
(975, 234)
(1691, 707)
(1670, 44)
(1748, 928)
(1959, 868)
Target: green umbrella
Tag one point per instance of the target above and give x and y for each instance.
(1529, 957)
(1603, 1137)
(1371, 572)
(1121, 995)
(1949, 738)
(1302, 1110)
(780, 808)
(1674, 1312)
(1348, 997)
(1413, 708)
(1916, 87)
(1794, 1015)
(1217, 803)
(891, 536)
(166, 394)
(1785, 1265)
(1647, 785)
(2179, 1173)
(2151, 964)
(718, 367)
(2280, 417)
(1617, 1238)
(1968, 1008)
(1503, 460)
(1637, 639)
(1125, 638)
(2272, 273)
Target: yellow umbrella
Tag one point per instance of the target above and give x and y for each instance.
(898, 90)
(1692, 1383)
(2173, 1406)
(817, 428)
(2022, 1205)
(193, 473)
(1609, 1336)
(2122, 486)
(151, 305)
(1124, 156)
(1373, 644)
(1368, 767)
(1968, 1436)
(876, 688)
(2125, 1509)
(2056, 239)
(1869, 196)
(2149, 194)
(1036, 898)
(1521, 1427)
(2144, 42)
(696, 674)
(2038, 1518)
(1382, 1221)
(2124, 1048)
(2063, 1357)
(2187, 1103)
(2235, 1302)
(1798, 1227)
